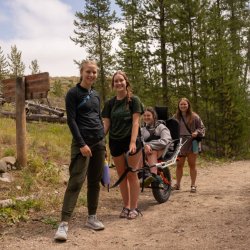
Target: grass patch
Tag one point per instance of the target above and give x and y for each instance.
(19, 211)
(52, 141)
(82, 200)
(49, 174)
(51, 221)
(9, 151)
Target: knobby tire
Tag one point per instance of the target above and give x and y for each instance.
(161, 195)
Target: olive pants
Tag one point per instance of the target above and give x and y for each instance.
(79, 168)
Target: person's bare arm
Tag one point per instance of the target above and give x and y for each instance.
(106, 124)
(134, 134)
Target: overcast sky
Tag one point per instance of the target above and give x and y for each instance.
(41, 29)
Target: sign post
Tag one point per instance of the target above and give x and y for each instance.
(20, 123)
(20, 89)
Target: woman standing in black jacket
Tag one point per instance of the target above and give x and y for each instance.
(87, 148)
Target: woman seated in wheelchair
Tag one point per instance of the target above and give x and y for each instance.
(156, 138)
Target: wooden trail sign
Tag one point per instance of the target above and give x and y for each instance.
(21, 89)
(36, 87)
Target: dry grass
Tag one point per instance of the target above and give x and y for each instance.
(48, 148)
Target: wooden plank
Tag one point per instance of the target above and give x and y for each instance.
(9, 89)
(36, 87)
(37, 83)
(36, 95)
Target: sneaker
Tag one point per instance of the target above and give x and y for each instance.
(61, 233)
(94, 223)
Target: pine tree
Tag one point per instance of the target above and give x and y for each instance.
(16, 66)
(238, 20)
(204, 47)
(94, 32)
(3, 65)
(226, 109)
(133, 46)
(34, 67)
(157, 16)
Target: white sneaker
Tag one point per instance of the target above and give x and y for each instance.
(61, 233)
(94, 223)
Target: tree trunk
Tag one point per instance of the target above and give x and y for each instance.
(163, 54)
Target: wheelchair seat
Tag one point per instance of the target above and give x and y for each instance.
(173, 125)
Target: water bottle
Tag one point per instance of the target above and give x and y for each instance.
(195, 147)
(106, 175)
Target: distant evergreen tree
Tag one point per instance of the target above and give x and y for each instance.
(57, 88)
(95, 33)
(34, 67)
(3, 65)
(16, 66)
(227, 111)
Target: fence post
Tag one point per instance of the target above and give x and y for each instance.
(20, 123)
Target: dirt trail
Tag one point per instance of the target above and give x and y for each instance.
(216, 217)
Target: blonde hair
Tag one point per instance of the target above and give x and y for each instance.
(87, 62)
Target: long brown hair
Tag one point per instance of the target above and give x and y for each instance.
(189, 112)
(128, 85)
(153, 112)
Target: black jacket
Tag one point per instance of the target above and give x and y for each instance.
(83, 115)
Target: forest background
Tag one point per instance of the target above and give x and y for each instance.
(197, 49)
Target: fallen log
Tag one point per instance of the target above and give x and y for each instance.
(37, 117)
(55, 111)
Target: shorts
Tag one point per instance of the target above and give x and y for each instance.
(119, 147)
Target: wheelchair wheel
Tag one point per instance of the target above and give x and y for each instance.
(161, 187)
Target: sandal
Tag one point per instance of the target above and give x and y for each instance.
(175, 187)
(193, 189)
(134, 213)
(124, 213)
